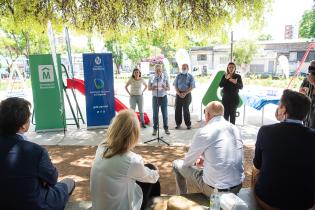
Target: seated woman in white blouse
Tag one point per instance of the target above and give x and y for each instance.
(116, 169)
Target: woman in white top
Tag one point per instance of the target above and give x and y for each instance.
(136, 93)
(116, 168)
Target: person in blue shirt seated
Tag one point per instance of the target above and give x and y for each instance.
(285, 157)
(28, 179)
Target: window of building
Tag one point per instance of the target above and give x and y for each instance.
(201, 57)
(309, 57)
(293, 56)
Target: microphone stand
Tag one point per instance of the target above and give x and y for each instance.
(158, 138)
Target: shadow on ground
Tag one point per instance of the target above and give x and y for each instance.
(76, 161)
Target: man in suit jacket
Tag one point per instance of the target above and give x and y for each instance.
(285, 156)
(28, 179)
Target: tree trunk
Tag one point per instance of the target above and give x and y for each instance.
(117, 68)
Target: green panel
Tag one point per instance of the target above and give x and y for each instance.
(212, 92)
(47, 95)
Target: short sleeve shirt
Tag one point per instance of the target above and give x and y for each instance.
(136, 86)
(184, 81)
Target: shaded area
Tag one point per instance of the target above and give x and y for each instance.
(76, 161)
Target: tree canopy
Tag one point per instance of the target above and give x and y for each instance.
(244, 52)
(204, 16)
(307, 24)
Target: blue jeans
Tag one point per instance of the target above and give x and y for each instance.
(156, 103)
(134, 100)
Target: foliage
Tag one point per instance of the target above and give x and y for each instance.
(114, 47)
(244, 51)
(17, 40)
(120, 16)
(136, 49)
(307, 24)
(264, 37)
(269, 82)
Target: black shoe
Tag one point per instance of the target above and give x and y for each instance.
(188, 127)
(177, 127)
(143, 125)
(154, 132)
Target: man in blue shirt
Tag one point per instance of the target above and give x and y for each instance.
(184, 83)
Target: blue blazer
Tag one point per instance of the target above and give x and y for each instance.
(28, 179)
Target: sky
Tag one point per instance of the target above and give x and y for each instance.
(284, 12)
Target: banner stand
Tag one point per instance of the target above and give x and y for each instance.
(99, 89)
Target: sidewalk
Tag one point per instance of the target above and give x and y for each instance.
(83, 136)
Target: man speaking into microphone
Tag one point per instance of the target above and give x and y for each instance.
(159, 84)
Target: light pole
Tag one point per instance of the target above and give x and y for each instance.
(231, 55)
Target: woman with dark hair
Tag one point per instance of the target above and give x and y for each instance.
(28, 179)
(231, 84)
(119, 177)
(136, 92)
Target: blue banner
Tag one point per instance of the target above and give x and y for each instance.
(99, 88)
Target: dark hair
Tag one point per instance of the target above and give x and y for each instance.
(231, 63)
(14, 113)
(311, 70)
(297, 104)
(136, 69)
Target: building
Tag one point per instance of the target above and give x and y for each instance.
(273, 58)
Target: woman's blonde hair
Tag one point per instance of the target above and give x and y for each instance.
(123, 134)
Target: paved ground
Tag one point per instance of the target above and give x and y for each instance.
(248, 125)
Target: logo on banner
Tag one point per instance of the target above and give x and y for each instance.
(98, 83)
(46, 73)
(98, 60)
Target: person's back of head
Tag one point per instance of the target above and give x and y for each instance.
(215, 108)
(14, 113)
(122, 134)
(311, 68)
(297, 104)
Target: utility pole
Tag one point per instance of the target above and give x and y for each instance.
(231, 55)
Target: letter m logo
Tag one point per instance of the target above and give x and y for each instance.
(46, 73)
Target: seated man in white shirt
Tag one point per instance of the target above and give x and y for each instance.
(215, 157)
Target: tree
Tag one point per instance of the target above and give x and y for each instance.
(307, 24)
(17, 40)
(114, 47)
(121, 16)
(264, 37)
(243, 53)
(136, 49)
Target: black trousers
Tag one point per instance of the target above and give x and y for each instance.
(230, 105)
(149, 190)
(182, 105)
(310, 118)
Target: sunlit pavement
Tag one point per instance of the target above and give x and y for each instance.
(83, 136)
